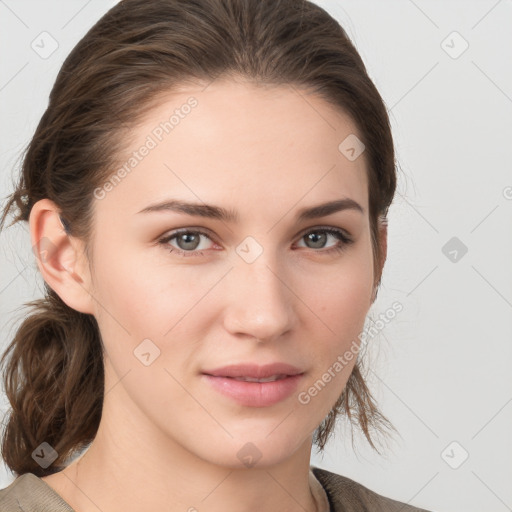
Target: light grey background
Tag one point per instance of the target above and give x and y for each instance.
(441, 369)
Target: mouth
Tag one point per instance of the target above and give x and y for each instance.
(272, 371)
(255, 386)
(255, 379)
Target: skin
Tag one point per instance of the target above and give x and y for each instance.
(167, 440)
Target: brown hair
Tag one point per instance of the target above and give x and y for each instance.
(54, 373)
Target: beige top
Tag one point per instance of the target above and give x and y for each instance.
(332, 493)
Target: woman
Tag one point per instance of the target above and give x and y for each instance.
(207, 195)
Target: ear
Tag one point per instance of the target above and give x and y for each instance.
(60, 257)
(383, 242)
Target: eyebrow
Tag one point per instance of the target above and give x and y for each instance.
(217, 212)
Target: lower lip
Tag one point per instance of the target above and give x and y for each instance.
(255, 394)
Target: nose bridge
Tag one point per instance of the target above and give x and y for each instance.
(260, 303)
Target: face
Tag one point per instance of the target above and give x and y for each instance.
(193, 305)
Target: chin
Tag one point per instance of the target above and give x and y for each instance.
(260, 450)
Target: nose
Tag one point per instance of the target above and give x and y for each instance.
(259, 303)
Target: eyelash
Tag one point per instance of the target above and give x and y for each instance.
(344, 240)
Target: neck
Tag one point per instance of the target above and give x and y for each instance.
(108, 480)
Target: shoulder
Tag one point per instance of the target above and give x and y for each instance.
(29, 493)
(347, 495)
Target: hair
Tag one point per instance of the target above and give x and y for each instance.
(139, 50)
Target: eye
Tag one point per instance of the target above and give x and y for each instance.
(319, 236)
(188, 241)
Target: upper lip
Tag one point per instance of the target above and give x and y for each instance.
(253, 370)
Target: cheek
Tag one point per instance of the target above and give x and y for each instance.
(138, 293)
(339, 303)
(340, 297)
(125, 303)
(342, 305)
(139, 301)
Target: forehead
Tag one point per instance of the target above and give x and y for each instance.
(242, 143)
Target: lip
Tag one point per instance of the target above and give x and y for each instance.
(253, 370)
(254, 394)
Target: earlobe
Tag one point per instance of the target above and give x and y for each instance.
(59, 256)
